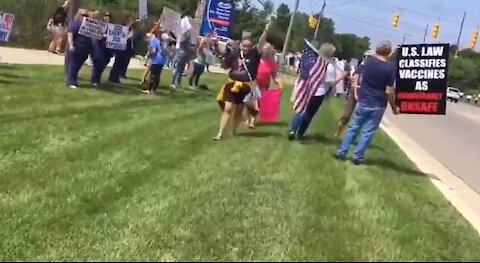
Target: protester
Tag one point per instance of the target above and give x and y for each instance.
(210, 58)
(79, 48)
(352, 95)
(101, 55)
(123, 57)
(267, 70)
(158, 59)
(376, 91)
(182, 57)
(326, 77)
(198, 64)
(148, 60)
(57, 26)
(243, 65)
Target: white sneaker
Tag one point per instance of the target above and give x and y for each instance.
(73, 86)
(95, 84)
(192, 87)
(172, 86)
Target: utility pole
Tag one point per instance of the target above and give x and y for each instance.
(404, 37)
(461, 29)
(319, 19)
(425, 35)
(73, 7)
(289, 30)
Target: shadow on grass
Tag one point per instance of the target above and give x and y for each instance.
(12, 76)
(273, 124)
(259, 134)
(388, 164)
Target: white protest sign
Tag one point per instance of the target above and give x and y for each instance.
(246, 34)
(6, 24)
(185, 25)
(171, 20)
(93, 28)
(117, 36)
(142, 9)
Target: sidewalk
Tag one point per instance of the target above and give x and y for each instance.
(43, 57)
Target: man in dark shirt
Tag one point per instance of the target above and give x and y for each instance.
(376, 91)
(249, 55)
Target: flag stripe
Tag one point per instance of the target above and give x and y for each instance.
(312, 74)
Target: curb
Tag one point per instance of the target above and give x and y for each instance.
(457, 192)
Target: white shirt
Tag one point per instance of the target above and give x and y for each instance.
(331, 77)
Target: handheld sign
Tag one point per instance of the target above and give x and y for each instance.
(117, 36)
(142, 9)
(93, 28)
(6, 24)
(171, 20)
(422, 78)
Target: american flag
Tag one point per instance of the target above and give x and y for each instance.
(214, 34)
(313, 71)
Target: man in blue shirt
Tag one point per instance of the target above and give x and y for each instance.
(158, 59)
(376, 91)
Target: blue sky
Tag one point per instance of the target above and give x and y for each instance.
(415, 15)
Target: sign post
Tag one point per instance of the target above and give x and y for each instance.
(422, 78)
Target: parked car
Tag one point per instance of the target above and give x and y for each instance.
(453, 94)
(477, 99)
(469, 98)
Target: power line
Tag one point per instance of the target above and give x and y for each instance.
(375, 25)
(346, 3)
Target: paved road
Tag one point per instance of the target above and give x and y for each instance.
(454, 139)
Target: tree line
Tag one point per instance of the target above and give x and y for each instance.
(31, 18)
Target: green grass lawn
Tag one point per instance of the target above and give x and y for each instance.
(112, 174)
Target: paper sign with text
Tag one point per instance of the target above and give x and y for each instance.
(422, 78)
(142, 9)
(93, 28)
(117, 36)
(6, 24)
(171, 20)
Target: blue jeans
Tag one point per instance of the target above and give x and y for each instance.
(178, 72)
(367, 119)
(301, 121)
(75, 63)
(99, 65)
(198, 70)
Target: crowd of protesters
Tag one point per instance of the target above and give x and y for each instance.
(252, 67)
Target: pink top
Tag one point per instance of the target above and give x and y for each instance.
(265, 70)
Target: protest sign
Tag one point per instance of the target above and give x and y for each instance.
(117, 37)
(6, 24)
(142, 9)
(218, 17)
(422, 78)
(171, 20)
(93, 28)
(246, 34)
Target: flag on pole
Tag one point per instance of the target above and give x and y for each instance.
(313, 71)
(214, 34)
